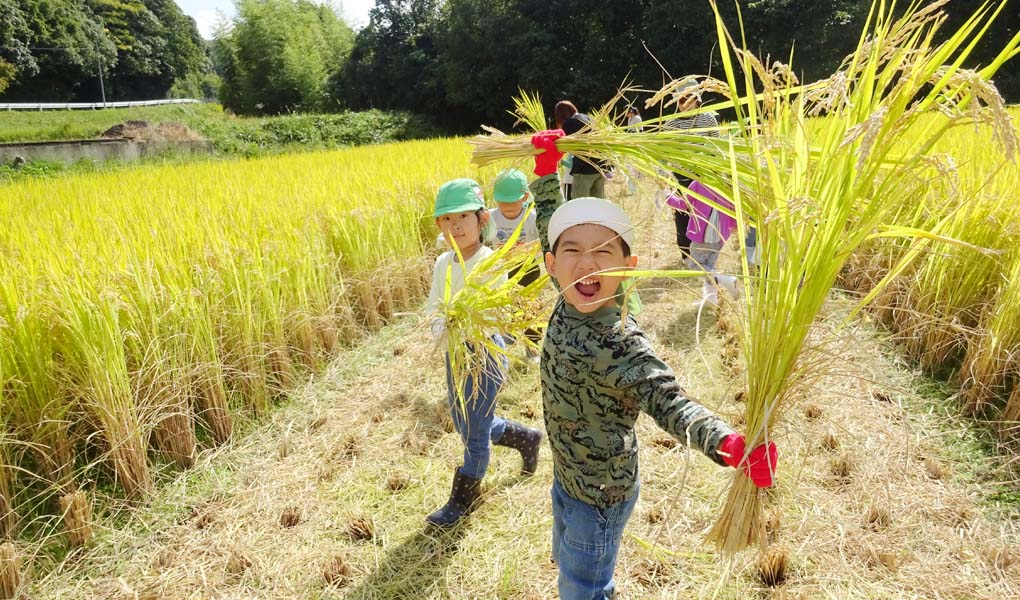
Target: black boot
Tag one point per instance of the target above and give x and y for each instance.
(463, 495)
(526, 441)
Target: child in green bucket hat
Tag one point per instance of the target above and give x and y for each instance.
(461, 216)
(510, 191)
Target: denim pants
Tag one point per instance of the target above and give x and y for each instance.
(585, 542)
(476, 421)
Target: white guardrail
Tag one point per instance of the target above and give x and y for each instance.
(90, 105)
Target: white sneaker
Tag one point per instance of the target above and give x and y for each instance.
(728, 283)
(709, 294)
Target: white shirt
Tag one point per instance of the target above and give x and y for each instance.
(505, 227)
(457, 276)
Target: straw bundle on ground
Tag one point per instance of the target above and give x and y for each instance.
(815, 189)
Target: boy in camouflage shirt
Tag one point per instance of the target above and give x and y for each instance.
(598, 374)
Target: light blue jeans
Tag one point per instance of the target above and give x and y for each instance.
(585, 542)
(476, 421)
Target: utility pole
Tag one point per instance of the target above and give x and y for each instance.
(102, 88)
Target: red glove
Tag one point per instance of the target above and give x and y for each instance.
(546, 162)
(760, 464)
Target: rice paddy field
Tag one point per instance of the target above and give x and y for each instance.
(216, 381)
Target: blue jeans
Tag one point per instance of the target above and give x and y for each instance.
(585, 542)
(476, 421)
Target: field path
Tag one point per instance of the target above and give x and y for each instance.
(883, 492)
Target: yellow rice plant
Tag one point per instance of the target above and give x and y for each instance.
(8, 520)
(817, 192)
(993, 354)
(140, 306)
(529, 111)
(36, 412)
(91, 337)
(941, 299)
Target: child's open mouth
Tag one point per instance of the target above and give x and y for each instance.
(588, 287)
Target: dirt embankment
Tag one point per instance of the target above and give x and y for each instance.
(144, 131)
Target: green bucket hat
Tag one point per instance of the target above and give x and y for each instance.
(457, 196)
(510, 186)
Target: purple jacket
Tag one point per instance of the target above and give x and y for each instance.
(701, 212)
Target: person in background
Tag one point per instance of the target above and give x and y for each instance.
(634, 124)
(633, 118)
(461, 216)
(687, 98)
(587, 177)
(510, 191)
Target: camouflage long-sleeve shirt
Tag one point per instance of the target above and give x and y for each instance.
(598, 374)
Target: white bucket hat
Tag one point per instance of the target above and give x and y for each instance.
(590, 210)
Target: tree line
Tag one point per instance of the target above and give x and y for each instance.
(462, 60)
(459, 61)
(56, 50)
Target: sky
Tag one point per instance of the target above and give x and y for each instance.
(207, 12)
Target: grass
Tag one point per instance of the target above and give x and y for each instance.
(377, 414)
(229, 134)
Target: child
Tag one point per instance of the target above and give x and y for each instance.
(708, 229)
(598, 374)
(510, 191)
(461, 216)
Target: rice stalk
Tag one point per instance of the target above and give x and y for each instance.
(91, 331)
(994, 355)
(36, 412)
(8, 518)
(10, 571)
(528, 110)
(77, 516)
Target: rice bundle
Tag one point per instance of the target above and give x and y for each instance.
(815, 190)
(491, 303)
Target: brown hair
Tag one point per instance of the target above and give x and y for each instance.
(563, 111)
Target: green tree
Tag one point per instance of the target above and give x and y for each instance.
(186, 56)
(15, 56)
(279, 55)
(67, 42)
(395, 62)
(141, 43)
